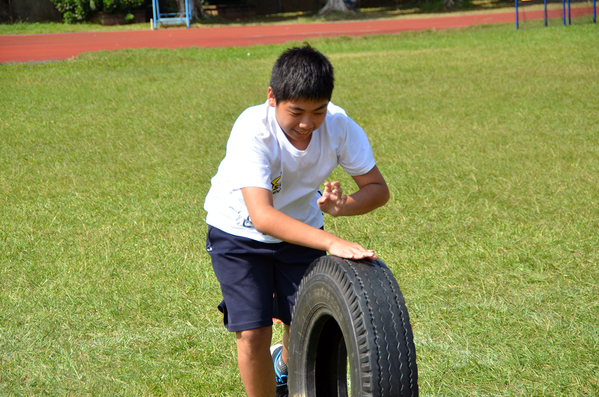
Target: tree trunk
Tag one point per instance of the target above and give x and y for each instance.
(195, 8)
(450, 4)
(334, 5)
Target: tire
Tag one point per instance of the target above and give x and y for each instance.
(351, 314)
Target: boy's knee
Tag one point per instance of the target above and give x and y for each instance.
(254, 338)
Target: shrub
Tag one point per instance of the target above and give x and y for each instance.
(81, 10)
(121, 5)
(110, 5)
(74, 10)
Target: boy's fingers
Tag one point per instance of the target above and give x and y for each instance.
(332, 185)
(321, 201)
(368, 255)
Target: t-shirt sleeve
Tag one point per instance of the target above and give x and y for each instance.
(247, 149)
(355, 154)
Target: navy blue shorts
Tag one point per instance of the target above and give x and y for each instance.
(250, 272)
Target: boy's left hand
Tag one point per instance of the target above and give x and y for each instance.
(333, 200)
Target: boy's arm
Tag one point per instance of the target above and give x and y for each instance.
(268, 220)
(372, 193)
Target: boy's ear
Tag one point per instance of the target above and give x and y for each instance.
(271, 98)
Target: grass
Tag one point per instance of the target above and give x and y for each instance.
(415, 8)
(487, 137)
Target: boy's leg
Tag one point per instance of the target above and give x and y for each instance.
(285, 352)
(255, 362)
(245, 274)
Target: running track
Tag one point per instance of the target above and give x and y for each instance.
(58, 46)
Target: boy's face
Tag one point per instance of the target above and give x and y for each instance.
(299, 118)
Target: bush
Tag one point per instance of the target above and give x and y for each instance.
(121, 5)
(128, 5)
(74, 11)
(110, 5)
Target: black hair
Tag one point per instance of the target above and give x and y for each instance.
(302, 73)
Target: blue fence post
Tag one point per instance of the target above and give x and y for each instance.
(188, 17)
(516, 14)
(155, 13)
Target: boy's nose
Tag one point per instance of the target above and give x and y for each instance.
(306, 123)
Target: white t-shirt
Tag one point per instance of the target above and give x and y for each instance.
(260, 155)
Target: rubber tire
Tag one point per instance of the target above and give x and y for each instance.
(351, 311)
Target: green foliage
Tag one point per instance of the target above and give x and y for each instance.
(74, 11)
(122, 5)
(131, 4)
(111, 5)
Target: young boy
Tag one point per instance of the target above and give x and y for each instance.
(265, 208)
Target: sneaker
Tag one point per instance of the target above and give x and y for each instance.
(275, 352)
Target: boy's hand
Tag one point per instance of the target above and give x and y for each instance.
(266, 219)
(333, 200)
(349, 250)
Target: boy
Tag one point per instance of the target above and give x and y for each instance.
(265, 208)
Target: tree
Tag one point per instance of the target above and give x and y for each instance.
(449, 4)
(195, 8)
(334, 5)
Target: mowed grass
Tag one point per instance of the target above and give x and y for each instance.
(488, 138)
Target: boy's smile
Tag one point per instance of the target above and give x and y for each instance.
(299, 118)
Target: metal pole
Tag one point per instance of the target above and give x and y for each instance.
(187, 16)
(155, 12)
(10, 11)
(517, 14)
(564, 11)
(569, 14)
(545, 13)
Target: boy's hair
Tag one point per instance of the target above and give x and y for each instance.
(302, 73)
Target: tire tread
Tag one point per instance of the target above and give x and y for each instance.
(380, 322)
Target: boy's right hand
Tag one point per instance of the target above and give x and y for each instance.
(349, 250)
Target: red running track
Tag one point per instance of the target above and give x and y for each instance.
(58, 46)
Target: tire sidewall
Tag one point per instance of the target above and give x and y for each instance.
(323, 298)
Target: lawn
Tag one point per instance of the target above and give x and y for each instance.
(488, 138)
(414, 8)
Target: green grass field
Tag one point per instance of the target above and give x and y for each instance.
(488, 138)
(413, 8)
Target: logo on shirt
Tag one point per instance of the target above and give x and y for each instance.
(276, 185)
(247, 222)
